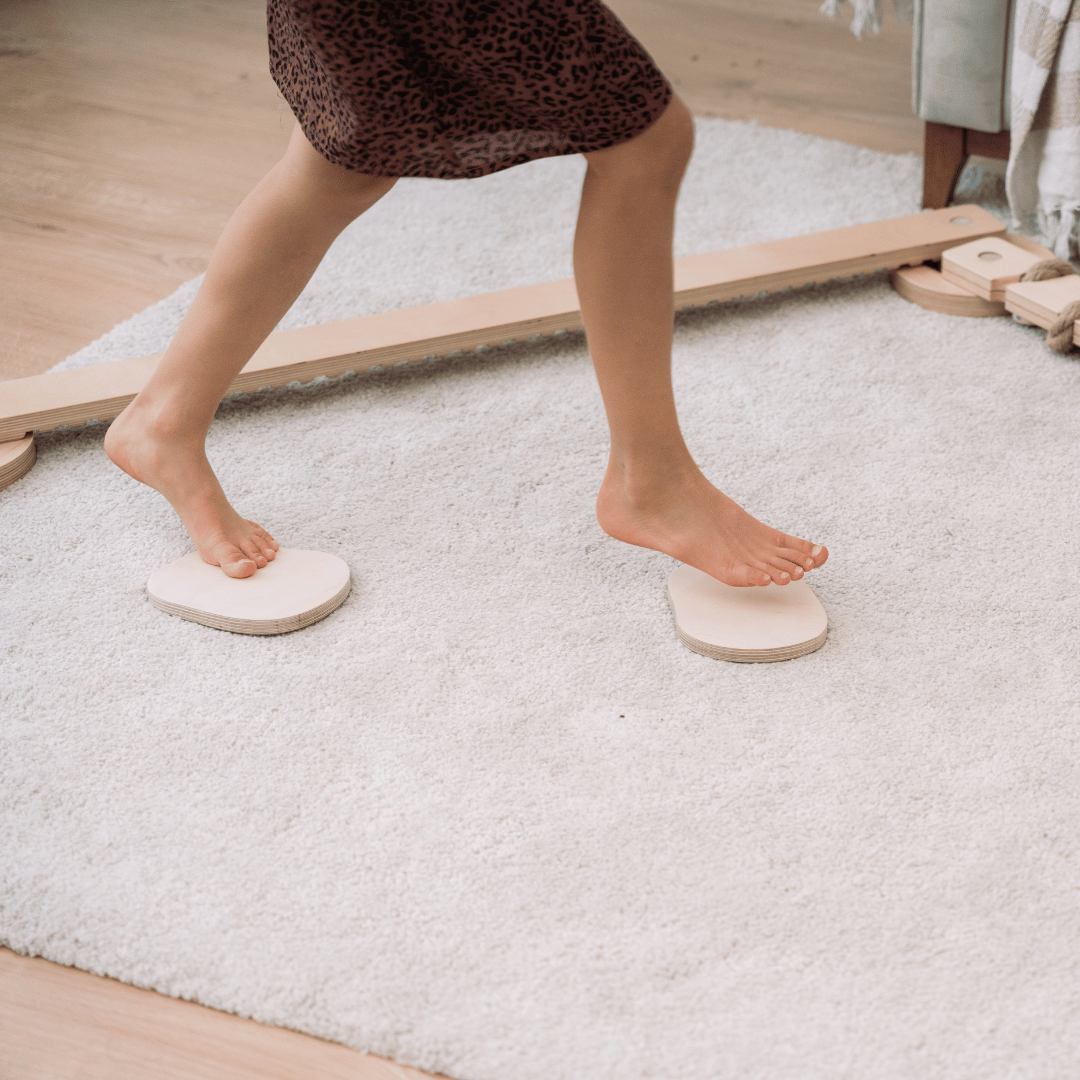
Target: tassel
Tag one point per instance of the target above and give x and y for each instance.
(1060, 226)
(867, 13)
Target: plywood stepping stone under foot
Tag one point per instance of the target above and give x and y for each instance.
(747, 626)
(295, 590)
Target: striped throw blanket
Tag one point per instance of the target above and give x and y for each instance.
(1043, 179)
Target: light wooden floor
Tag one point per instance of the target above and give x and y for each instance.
(57, 1023)
(129, 129)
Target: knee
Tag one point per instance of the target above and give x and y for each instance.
(674, 133)
(657, 157)
(359, 192)
(344, 190)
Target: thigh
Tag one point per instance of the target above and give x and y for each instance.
(323, 180)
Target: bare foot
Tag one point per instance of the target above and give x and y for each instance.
(690, 520)
(177, 467)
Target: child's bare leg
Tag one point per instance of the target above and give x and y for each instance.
(268, 251)
(653, 494)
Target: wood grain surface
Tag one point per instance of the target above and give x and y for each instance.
(57, 1023)
(784, 64)
(129, 131)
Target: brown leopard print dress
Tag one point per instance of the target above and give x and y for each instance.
(460, 88)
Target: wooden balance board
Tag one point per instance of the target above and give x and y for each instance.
(747, 626)
(102, 391)
(295, 590)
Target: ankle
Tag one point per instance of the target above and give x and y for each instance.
(160, 421)
(641, 482)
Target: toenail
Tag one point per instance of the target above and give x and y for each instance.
(816, 549)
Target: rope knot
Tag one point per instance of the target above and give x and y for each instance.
(1060, 335)
(1048, 268)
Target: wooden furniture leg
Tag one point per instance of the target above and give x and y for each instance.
(943, 158)
(945, 151)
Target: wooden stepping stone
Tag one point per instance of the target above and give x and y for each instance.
(930, 289)
(1041, 302)
(747, 626)
(297, 589)
(988, 266)
(16, 459)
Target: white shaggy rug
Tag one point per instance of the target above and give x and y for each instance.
(491, 818)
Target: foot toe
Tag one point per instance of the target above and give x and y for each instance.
(804, 562)
(758, 575)
(239, 567)
(234, 562)
(253, 551)
(802, 553)
(784, 570)
(264, 539)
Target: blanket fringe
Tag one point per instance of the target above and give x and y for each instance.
(868, 13)
(1060, 225)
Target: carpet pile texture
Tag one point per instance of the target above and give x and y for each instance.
(490, 818)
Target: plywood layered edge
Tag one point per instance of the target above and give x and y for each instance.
(44, 402)
(16, 459)
(1041, 302)
(925, 286)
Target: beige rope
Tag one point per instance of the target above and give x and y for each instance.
(1060, 335)
(1048, 268)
